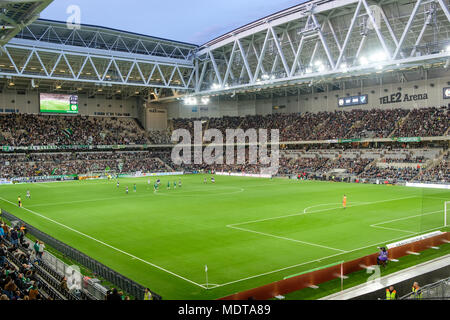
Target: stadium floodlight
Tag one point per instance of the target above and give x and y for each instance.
(204, 100)
(363, 61)
(378, 56)
(215, 86)
(308, 70)
(344, 67)
(448, 48)
(265, 77)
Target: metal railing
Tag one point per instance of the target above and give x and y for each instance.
(93, 287)
(439, 290)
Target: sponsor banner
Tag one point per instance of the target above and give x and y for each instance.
(45, 178)
(236, 174)
(399, 97)
(408, 139)
(150, 174)
(5, 181)
(69, 147)
(348, 140)
(414, 239)
(428, 185)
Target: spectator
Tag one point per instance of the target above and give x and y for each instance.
(114, 296)
(33, 291)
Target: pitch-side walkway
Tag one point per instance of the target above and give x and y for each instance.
(392, 279)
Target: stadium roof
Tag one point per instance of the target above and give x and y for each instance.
(16, 14)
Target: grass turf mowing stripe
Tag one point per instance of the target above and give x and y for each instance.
(184, 231)
(105, 244)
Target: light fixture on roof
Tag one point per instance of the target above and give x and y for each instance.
(363, 61)
(215, 86)
(190, 101)
(205, 100)
(378, 56)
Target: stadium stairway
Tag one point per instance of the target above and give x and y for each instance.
(52, 279)
(165, 164)
(47, 289)
(399, 124)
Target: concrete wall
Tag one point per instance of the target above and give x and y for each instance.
(327, 101)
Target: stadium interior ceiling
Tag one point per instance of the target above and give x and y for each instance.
(316, 46)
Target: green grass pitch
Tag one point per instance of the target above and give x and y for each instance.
(248, 231)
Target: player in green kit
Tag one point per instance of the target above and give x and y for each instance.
(168, 185)
(175, 184)
(134, 188)
(155, 187)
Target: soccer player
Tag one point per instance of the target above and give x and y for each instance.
(148, 181)
(134, 187)
(28, 194)
(117, 183)
(126, 190)
(204, 181)
(175, 184)
(155, 187)
(19, 200)
(344, 202)
(168, 185)
(213, 180)
(179, 183)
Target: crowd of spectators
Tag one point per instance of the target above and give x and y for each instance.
(393, 174)
(36, 130)
(39, 130)
(356, 123)
(18, 280)
(33, 165)
(438, 173)
(425, 122)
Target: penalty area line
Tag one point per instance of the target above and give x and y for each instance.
(107, 245)
(318, 259)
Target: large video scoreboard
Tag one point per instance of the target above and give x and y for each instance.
(58, 103)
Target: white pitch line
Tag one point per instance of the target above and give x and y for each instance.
(107, 245)
(317, 260)
(405, 218)
(393, 229)
(323, 210)
(288, 239)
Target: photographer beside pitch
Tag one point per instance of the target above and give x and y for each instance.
(382, 256)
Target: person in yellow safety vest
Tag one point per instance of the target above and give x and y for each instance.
(148, 294)
(416, 291)
(391, 293)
